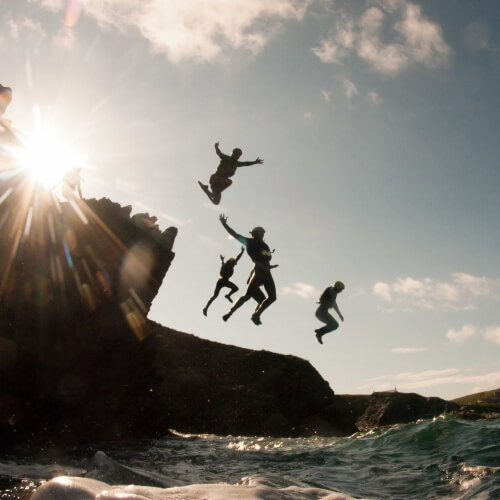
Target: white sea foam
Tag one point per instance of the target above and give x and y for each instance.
(76, 488)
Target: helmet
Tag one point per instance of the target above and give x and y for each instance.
(258, 231)
(339, 286)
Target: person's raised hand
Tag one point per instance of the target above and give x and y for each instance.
(223, 218)
(260, 161)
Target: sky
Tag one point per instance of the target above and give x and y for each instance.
(378, 124)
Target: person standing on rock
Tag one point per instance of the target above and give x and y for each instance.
(261, 255)
(226, 271)
(227, 168)
(328, 300)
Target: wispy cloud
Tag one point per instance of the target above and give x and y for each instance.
(418, 381)
(350, 89)
(492, 334)
(466, 332)
(476, 36)
(197, 30)
(427, 293)
(374, 98)
(327, 95)
(390, 36)
(302, 290)
(408, 350)
(25, 26)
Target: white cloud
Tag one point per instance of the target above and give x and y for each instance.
(382, 290)
(374, 98)
(65, 38)
(198, 30)
(492, 334)
(53, 5)
(308, 115)
(476, 36)
(463, 334)
(25, 26)
(350, 89)
(391, 37)
(303, 290)
(327, 95)
(476, 285)
(408, 350)
(427, 293)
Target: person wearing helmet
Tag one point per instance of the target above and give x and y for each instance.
(226, 169)
(226, 271)
(261, 255)
(5, 98)
(328, 300)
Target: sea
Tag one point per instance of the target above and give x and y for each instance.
(444, 457)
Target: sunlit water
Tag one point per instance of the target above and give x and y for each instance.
(443, 458)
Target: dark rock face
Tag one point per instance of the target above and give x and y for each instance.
(210, 387)
(391, 408)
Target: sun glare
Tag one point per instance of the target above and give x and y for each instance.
(48, 158)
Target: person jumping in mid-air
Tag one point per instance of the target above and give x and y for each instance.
(227, 168)
(327, 301)
(261, 275)
(226, 271)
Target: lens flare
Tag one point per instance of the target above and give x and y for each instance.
(48, 158)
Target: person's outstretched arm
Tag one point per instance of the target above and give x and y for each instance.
(220, 154)
(231, 231)
(258, 161)
(336, 307)
(238, 257)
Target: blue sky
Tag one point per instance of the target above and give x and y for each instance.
(378, 124)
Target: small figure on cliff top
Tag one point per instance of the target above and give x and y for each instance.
(226, 271)
(261, 255)
(5, 98)
(227, 168)
(328, 300)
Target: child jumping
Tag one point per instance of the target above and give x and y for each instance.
(227, 168)
(226, 271)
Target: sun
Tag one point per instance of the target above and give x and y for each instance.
(48, 158)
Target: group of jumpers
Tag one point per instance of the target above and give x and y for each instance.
(260, 253)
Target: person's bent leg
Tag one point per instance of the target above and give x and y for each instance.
(233, 289)
(270, 288)
(218, 184)
(236, 306)
(324, 316)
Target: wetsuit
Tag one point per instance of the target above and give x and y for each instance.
(260, 254)
(327, 301)
(226, 271)
(226, 169)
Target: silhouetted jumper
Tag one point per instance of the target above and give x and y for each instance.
(226, 271)
(327, 301)
(261, 275)
(227, 168)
